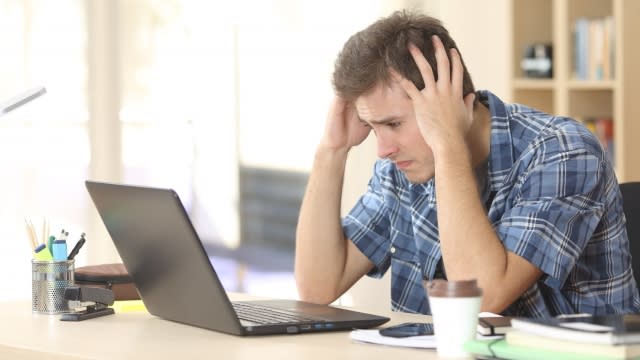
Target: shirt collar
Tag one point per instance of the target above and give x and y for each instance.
(422, 188)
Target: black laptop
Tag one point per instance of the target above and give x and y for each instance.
(176, 280)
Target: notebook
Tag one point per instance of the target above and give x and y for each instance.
(494, 325)
(612, 329)
(176, 280)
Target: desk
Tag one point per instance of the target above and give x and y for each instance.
(24, 335)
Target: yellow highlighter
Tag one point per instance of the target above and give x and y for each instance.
(128, 306)
(42, 253)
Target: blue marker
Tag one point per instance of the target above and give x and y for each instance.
(59, 249)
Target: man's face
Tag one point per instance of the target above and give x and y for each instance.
(389, 112)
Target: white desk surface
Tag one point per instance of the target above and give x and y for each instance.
(138, 335)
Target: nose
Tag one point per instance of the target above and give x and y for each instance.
(386, 148)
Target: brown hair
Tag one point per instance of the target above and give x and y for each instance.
(367, 55)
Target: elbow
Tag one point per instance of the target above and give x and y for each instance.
(314, 293)
(492, 308)
(494, 303)
(315, 298)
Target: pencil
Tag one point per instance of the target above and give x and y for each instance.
(30, 234)
(44, 231)
(34, 234)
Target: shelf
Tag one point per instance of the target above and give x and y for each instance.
(554, 22)
(591, 84)
(533, 84)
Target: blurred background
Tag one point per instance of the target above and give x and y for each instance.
(224, 101)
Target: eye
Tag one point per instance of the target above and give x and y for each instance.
(393, 124)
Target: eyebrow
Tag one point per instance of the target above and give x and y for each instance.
(380, 121)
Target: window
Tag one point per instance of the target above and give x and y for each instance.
(44, 147)
(200, 90)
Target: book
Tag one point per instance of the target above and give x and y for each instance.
(581, 49)
(606, 329)
(500, 349)
(520, 338)
(494, 325)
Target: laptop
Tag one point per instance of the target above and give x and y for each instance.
(176, 281)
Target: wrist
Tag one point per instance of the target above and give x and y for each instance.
(330, 154)
(452, 153)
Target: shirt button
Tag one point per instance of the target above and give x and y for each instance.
(393, 250)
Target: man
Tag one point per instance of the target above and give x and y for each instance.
(466, 187)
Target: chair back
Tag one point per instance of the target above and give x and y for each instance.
(631, 204)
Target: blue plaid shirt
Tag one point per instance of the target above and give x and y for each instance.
(552, 198)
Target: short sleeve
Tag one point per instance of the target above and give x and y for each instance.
(367, 226)
(555, 212)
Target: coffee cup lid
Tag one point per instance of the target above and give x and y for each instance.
(460, 288)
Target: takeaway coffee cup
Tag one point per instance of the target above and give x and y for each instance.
(454, 308)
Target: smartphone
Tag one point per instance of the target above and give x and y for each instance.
(407, 329)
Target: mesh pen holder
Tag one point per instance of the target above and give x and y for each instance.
(48, 281)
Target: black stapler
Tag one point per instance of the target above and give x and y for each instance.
(87, 302)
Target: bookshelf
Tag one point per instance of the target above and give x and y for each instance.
(615, 97)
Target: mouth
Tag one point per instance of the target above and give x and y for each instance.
(403, 165)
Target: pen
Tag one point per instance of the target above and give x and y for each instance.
(44, 230)
(76, 248)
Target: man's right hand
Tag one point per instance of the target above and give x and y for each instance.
(343, 129)
(327, 264)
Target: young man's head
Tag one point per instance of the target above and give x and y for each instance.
(362, 77)
(366, 57)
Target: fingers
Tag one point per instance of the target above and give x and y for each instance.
(406, 84)
(444, 78)
(423, 66)
(468, 102)
(443, 65)
(457, 73)
(450, 73)
(338, 106)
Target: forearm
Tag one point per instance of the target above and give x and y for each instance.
(320, 242)
(470, 246)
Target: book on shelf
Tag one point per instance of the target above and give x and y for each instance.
(602, 127)
(605, 329)
(594, 48)
(580, 43)
(524, 339)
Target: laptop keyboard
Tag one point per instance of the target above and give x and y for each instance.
(267, 315)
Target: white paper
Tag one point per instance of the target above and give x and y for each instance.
(373, 336)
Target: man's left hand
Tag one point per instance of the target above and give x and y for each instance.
(443, 115)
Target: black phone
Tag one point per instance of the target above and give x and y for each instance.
(407, 329)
